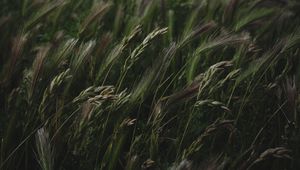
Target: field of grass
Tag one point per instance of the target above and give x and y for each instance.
(149, 84)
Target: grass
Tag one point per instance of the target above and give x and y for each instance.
(138, 84)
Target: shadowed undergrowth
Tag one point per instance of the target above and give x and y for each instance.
(139, 84)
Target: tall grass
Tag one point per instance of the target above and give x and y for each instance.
(138, 84)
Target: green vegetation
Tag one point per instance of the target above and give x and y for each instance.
(149, 84)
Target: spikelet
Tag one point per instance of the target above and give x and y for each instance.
(45, 153)
(53, 89)
(134, 56)
(210, 130)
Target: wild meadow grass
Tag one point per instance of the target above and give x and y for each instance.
(140, 84)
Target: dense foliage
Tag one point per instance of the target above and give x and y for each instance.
(149, 84)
